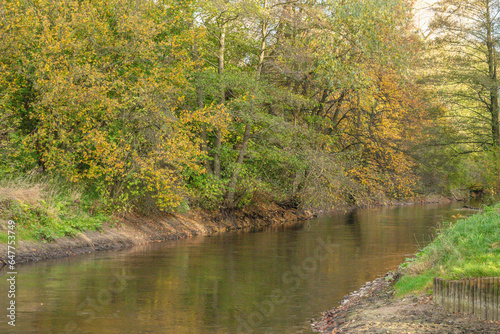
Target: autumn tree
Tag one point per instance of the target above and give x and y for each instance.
(93, 90)
(210, 102)
(344, 55)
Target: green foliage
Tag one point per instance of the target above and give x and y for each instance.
(207, 191)
(90, 95)
(461, 175)
(467, 248)
(459, 73)
(463, 55)
(48, 210)
(478, 172)
(168, 105)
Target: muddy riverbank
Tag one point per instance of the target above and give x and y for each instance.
(137, 230)
(375, 309)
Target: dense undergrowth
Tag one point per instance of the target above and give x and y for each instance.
(467, 248)
(44, 210)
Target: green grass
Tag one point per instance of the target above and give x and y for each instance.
(467, 248)
(45, 210)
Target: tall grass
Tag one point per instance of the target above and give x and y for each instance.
(467, 248)
(46, 209)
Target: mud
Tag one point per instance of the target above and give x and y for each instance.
(375, 309)
(136, 230)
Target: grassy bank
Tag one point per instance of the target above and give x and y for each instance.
(45, 209)
(467, 248)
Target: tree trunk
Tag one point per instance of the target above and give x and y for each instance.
(335, 121)
(262, 46)
(321, 105)
(495, 129)
(241, 155)
(218, 136)
(201, 105)
(492, 71)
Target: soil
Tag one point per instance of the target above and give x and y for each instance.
(375, 309)
(136, 230)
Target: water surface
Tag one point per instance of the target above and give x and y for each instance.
(271, 281)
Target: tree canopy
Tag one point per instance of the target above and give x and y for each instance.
(213, 103)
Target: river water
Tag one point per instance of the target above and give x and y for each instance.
(270, 281)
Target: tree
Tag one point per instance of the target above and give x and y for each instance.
(211, 100)
(465, 45)
(350, 65)
(93, 92)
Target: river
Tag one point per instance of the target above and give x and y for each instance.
(271, 281)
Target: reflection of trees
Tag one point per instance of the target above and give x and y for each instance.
(202, 285)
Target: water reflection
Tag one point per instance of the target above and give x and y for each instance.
(273, 281)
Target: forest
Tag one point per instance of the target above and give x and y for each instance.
(130, 105)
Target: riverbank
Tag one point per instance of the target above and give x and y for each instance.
(467, 248)
(54, 221)
(138, 230)
(375, 309)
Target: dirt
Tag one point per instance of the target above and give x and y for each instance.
(375, 309)
(137, 230)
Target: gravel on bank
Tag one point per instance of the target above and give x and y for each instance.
(375, 309)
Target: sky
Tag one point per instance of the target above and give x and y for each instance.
(423, 14)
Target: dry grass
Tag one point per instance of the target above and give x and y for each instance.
(19, 190)
(31, 195)
(32, 192)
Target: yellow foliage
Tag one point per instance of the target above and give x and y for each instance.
(388, 122)
(100, 84)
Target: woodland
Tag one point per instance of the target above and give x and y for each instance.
(171, 105)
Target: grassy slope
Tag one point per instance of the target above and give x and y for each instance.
(46, 210)
(467, 248)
